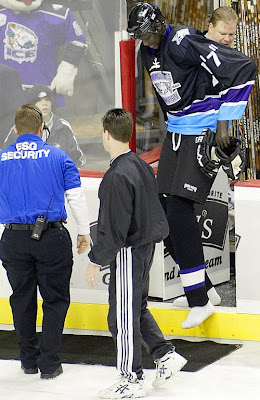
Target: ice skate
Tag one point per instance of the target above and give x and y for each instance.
(197, 315)
(167, 366)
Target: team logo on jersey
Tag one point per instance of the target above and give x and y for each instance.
(165, 87)
(156, 64)
(21, 43)
(179, 35)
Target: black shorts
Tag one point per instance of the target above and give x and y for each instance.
(178, 171)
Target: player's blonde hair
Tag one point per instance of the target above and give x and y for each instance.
(225, 14)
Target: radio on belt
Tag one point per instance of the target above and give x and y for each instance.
(38, 228)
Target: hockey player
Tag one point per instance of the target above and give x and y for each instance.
(222, 29)
(31, 33)
(199, 84)
(131, 220)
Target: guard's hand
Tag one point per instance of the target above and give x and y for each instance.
(92, 274)
(222, 135)
(83, 243)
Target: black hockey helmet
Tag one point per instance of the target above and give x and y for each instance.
(143, 18)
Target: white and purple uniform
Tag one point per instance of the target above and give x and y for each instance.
(30, 41)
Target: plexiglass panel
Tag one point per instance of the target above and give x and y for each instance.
(68, 47)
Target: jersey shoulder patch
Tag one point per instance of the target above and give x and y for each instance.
(55, 9)
(179, 35)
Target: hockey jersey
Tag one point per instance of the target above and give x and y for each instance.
(30, 41)
(198, 81)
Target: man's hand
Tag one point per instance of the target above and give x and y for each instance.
(83, 243)
(92, 274)
(222, 136)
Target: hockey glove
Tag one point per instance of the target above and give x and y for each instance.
(206, 155)
(231, 158)
(64, 80)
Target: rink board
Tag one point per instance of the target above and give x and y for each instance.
(88, 309)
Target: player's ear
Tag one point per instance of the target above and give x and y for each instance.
(160, 28)
(106, 134)
(41, 129)
(210, 26)
(15, 130)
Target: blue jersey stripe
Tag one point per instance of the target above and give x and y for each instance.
(195, 123)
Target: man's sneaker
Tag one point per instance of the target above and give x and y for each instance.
(167, 366)
(52, 375)
(124, 389)
(29, 371)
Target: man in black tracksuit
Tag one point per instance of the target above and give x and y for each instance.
(131, 220)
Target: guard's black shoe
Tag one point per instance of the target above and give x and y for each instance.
(52, 374)
(29, 370)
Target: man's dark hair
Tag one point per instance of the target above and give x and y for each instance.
(28, 119)
(119, 123)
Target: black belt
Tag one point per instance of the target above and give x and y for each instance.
(29, 227)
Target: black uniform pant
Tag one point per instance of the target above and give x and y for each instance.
(129, 320)
(185, 246)
(45, 264)
(194, 235)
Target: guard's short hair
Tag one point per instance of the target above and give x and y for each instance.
(28, 119)
(119, 123)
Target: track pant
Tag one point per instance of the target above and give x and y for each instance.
(46, 264)
(185, 237)
(129, 320)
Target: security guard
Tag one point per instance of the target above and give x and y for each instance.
(36, 248)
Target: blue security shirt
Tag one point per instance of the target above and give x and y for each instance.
(33, 179)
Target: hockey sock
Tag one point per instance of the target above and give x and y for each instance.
(212, 295)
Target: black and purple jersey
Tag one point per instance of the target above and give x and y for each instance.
(198, 81)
